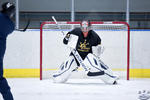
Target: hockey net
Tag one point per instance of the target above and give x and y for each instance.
(115, 38)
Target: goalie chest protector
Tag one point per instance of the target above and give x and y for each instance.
(84, 45)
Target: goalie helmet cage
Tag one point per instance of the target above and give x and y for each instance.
(95, 26)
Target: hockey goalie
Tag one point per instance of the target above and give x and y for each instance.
(86, 48)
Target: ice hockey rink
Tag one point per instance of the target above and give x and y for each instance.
(74, 89)
(32, 53)
(79, 89)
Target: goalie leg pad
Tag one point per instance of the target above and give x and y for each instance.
(99, 69)
(65, 70)
(94, 63)
(108, 79)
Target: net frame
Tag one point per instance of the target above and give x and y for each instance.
(93, 22)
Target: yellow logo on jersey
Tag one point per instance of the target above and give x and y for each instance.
(84, 47)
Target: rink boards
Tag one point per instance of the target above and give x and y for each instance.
(22, 54)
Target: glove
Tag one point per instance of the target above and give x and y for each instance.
(67, 36)
(98, 50)
(66, 39)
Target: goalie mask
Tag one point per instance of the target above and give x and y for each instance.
(85, 26)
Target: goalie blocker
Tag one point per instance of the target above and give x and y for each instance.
(92, 65)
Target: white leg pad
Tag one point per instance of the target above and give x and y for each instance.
(108, 79)
(96, 65)
(65, 70)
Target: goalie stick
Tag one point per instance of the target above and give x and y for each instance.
(58, 25)
(78, 57)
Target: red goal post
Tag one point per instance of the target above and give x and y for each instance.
(96, 23)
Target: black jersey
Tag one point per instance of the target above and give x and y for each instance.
(84, 45)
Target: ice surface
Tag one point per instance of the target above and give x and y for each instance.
(76, 89)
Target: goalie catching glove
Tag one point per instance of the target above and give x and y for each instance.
(98, 50)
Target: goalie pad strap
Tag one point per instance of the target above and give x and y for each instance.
(95, 73)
